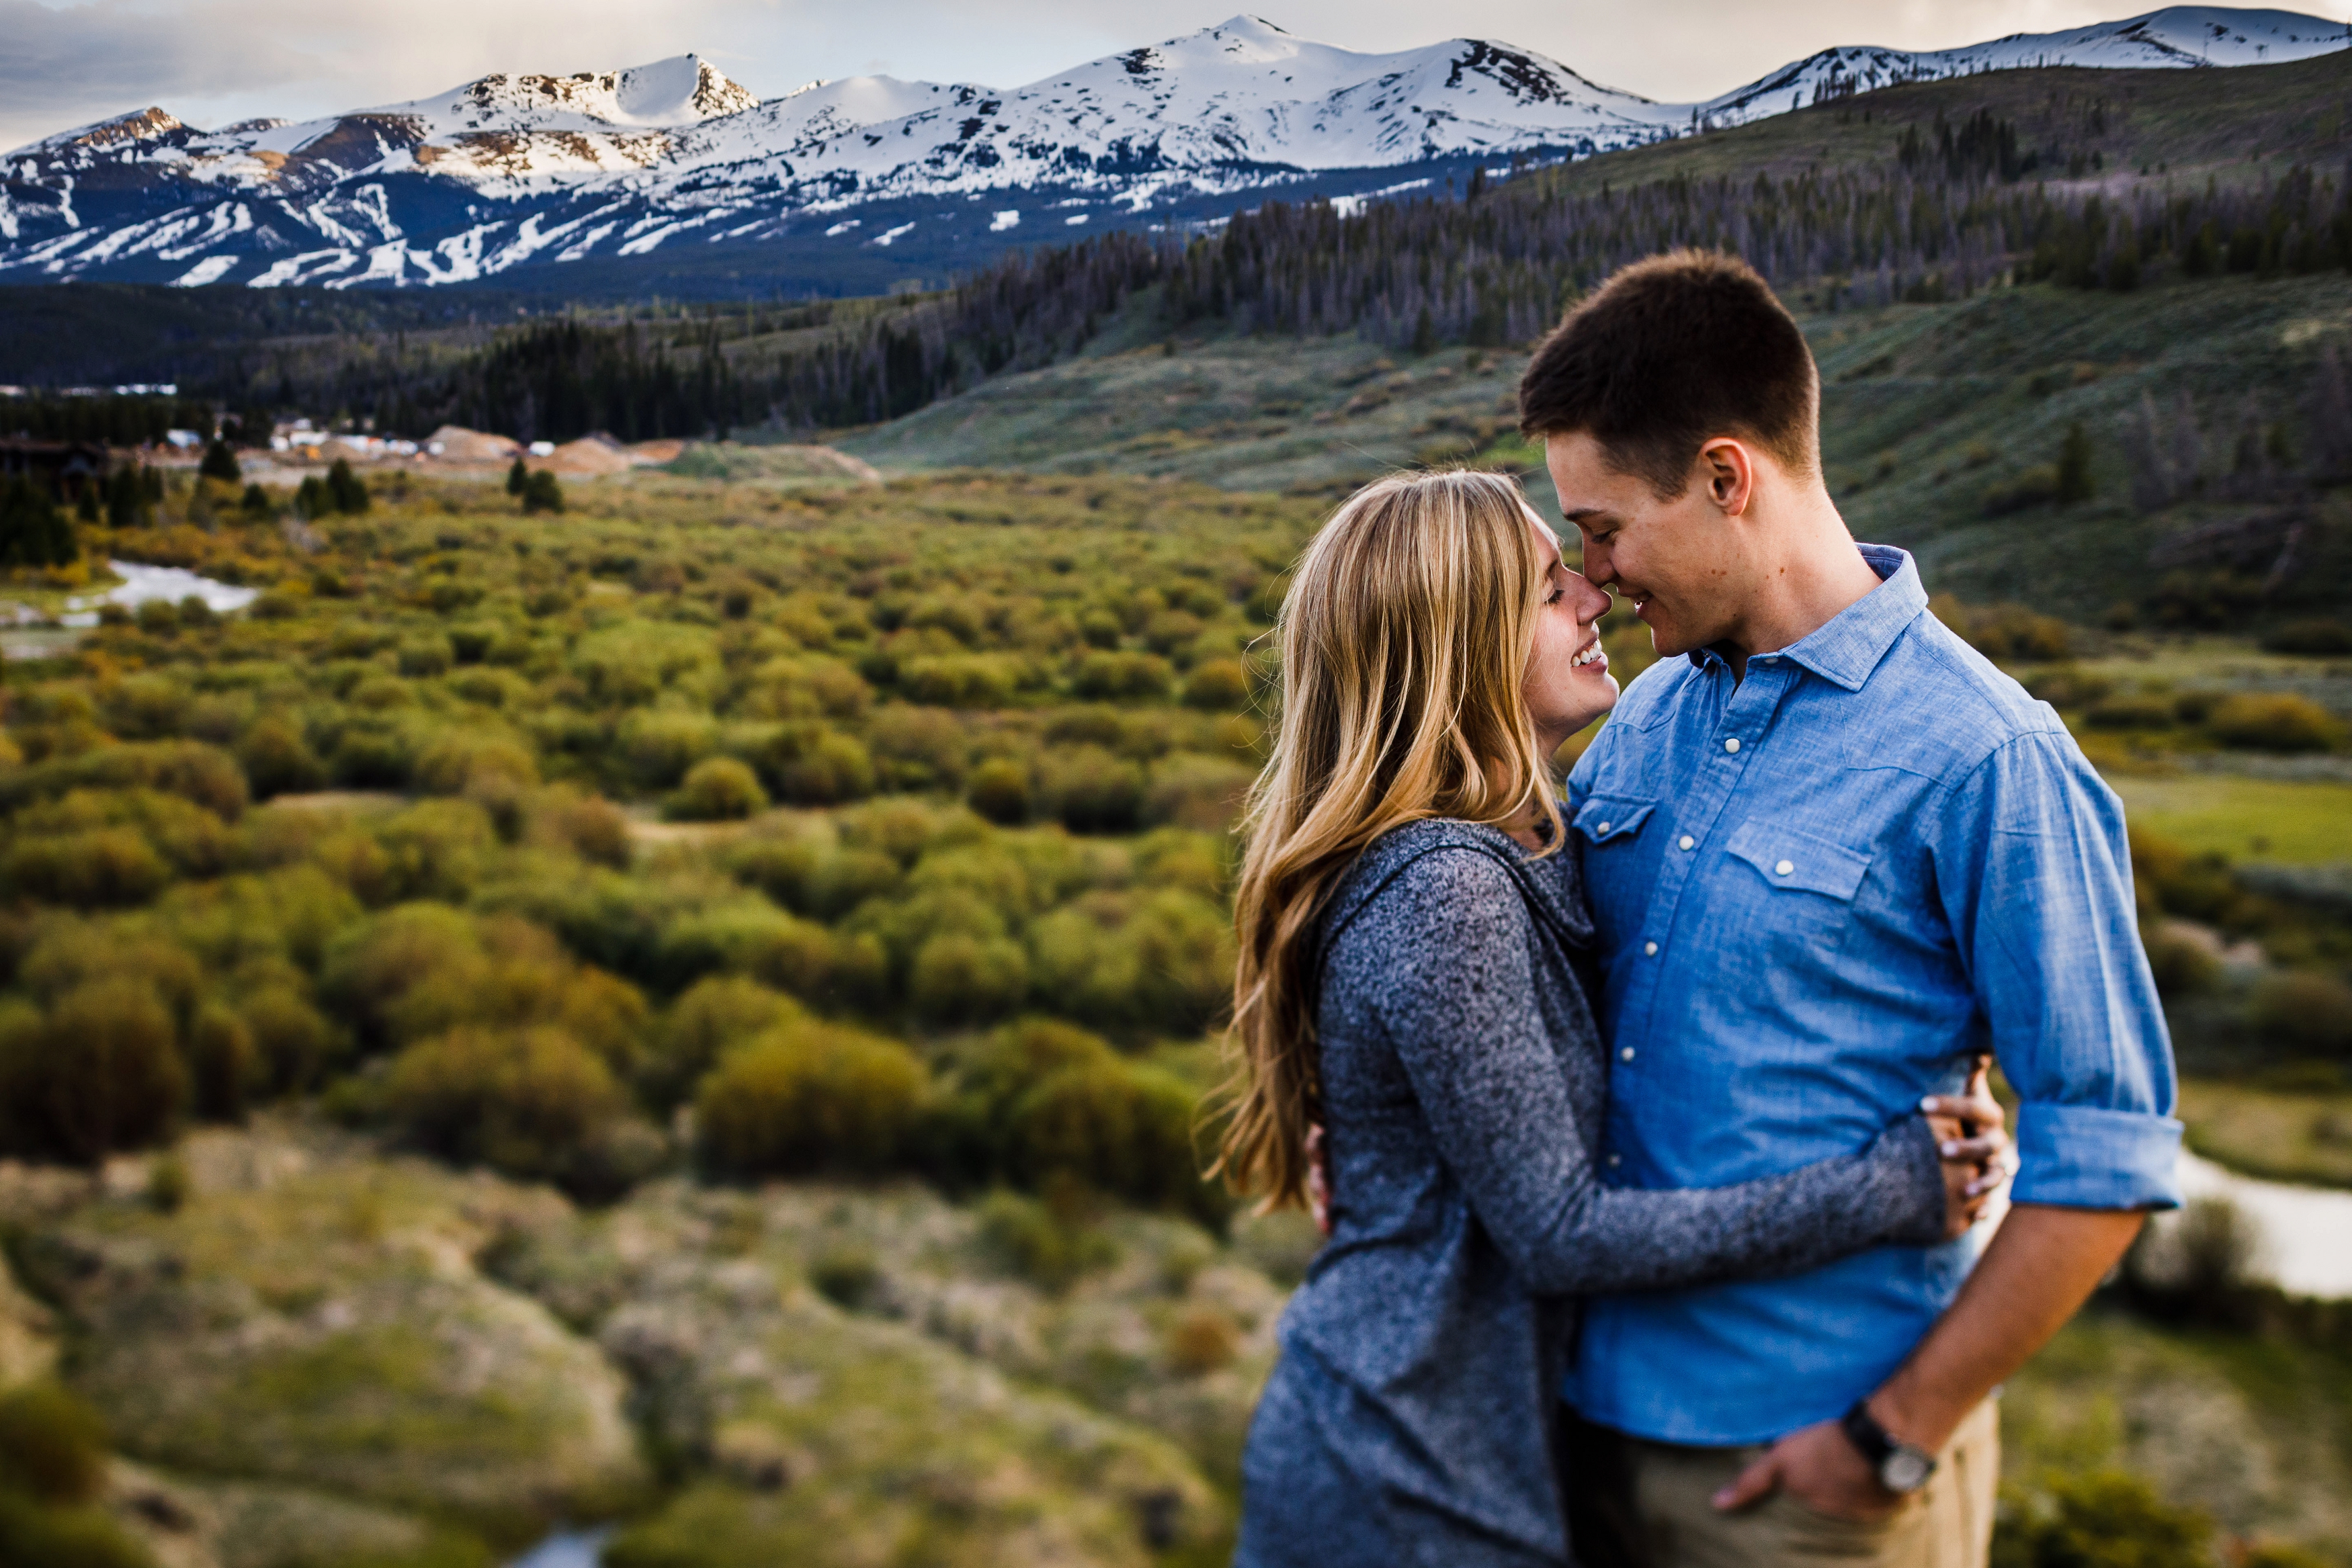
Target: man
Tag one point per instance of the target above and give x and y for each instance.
(1833, 852)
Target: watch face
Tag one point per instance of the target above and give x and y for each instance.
(1906, 1470)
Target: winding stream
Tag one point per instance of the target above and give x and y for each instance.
(2305, 1232)
(567, 1549)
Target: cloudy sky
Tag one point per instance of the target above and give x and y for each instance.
(214, 61)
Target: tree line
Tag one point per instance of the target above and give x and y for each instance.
(1951, 208)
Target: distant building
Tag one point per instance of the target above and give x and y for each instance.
(67, 466)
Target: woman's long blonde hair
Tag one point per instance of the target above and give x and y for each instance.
(1405, 644)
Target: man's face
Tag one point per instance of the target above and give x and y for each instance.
(1680, 562)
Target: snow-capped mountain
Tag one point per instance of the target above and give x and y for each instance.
(509, 175)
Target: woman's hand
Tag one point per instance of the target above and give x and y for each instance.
(1972, 1133)
(1319, 1179)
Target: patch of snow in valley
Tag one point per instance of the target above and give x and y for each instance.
(141, 583)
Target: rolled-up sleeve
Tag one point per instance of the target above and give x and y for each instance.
(2035, 874)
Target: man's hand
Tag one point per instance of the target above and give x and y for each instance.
(1821, 1468)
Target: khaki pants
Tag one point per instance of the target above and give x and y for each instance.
(1947, 1523)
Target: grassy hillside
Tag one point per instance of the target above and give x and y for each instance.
(2184, 126)
(1927, 409)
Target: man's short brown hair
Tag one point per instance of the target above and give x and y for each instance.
(1669, 353)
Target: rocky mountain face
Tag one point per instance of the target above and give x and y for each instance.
(553, 181)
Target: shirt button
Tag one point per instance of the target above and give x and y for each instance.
(1605, 827)
(1784, 868)
(1650, 948)
(1626, 1054)
(1616, 1160)
(1686, 841)
(1731, 745)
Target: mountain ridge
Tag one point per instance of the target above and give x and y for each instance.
(520, 173)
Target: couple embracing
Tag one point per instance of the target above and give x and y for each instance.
(1654, 1121)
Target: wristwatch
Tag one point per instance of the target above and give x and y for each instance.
(1900, 1468)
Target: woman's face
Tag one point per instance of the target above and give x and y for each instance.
(1567, 683)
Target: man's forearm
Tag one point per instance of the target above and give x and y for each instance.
(2041, 1266)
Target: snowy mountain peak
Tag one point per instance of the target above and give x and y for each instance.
(141, 125)
(531, 172)
(684, 89)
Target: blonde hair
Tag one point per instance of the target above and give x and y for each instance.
(1404, 643)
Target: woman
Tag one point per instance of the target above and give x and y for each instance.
(1410, 916)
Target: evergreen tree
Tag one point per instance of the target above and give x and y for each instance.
(256, 503)
(128, 503)
(219, 462)
(85, 504)
(33, 530)
(346, 490)
(542, 493)
(1425, 333)
(517, 478)
(2074, 482)
(312, 499)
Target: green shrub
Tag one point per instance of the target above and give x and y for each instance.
(813, 765)
(2317, 637)
(346, 489)
(2181, 965)
(2063, 686)
(660, 746)
(807, 1098)
(2104, 1519)
(79, 1536)
(52, 1445)
(719, 788)
(169, 1185)
(2275, 722)
(958, 977)
(999, 790)
(528, 1101)
(2004, 631)
(105, 868)
(1218, 686)
(588, 826)
(1203, 793)
(2035, 486)
(2306, 1013)
(1049, 1250)
(2138, 710)
(224, 1065)
(425, 656)
(1119, 1128)
(1090, 790)
(917, 747)
(1128, 677)
(714, 1016)
(848, 1276)
(541, 493)
(102, 1072)
(277, 760)
(957, 681)
(291, 1041)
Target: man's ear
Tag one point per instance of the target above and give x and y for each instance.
(1728, 470)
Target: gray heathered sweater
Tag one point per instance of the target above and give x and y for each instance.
(1463, 1081)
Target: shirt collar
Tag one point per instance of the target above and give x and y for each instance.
(1849, 646)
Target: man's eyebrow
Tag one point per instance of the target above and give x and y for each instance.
(1578, 515)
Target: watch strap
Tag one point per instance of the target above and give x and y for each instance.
(1883, 1448)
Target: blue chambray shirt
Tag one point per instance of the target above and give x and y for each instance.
(1819, 890)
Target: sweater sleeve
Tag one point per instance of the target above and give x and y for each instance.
(1445, 952)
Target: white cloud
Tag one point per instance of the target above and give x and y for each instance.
(211, 61)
